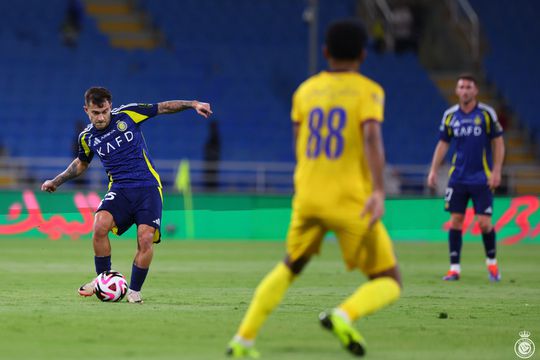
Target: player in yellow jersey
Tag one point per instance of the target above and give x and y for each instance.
(337, 117)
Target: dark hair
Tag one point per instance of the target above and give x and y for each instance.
(97, 95)
(345, 39)
(467, 76)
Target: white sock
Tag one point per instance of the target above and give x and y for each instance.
(241, 340)
(342, 314)
(455, 267)
(491, 261)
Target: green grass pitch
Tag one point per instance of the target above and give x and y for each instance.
(197, 292)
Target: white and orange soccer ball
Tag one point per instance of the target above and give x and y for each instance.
(110, 286)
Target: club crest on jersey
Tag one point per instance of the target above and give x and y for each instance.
(121, 125)
(477, 120)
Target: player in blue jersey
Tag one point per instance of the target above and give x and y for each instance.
(134, 194)
(475, 171)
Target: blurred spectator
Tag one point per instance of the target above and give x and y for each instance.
(378, 35)
(212, 155)
(80, 125)
(503, 113)
(71, 27)
(403, 30)
(3, 150)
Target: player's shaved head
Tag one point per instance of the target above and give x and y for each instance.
(346, 39)
(97, 95)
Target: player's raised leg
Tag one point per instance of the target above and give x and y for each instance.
(490, 247)
(455, 243)
(103, 223)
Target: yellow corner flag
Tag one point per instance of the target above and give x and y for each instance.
(183, 180)
(183, 185)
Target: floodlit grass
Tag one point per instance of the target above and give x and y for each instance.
(197, 292)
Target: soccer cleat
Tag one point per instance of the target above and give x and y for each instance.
(349, 337)
(134, 297)
(237, 350)
(451, 275)
(88, 289)
(493, 273)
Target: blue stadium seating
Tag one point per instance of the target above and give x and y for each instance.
(245, 57)
(512, 58)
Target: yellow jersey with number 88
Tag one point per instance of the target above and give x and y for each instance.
(332, 174)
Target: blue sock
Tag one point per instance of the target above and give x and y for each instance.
(454, 243)
(490, 244)
(138, 276)
(103, 263)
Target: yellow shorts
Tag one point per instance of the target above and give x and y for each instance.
(369, 250)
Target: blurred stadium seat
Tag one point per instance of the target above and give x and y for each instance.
(239, 56)
(511, 61)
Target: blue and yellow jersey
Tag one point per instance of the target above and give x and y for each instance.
(121, 147)
(472, 133)
(332, 174)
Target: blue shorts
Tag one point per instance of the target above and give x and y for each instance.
(458, 195)
(130, 206)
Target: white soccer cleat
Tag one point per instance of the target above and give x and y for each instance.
(134, 297)
(88, 289)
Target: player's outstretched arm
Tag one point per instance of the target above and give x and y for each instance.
(438, 156)
(174, 106)
(76, 168)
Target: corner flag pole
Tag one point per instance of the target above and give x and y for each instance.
(183, 184)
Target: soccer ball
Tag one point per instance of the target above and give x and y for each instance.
(111, 286)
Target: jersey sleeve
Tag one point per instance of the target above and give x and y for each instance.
(445, 130)
(138, 112)
(85, 153)
(372, 104)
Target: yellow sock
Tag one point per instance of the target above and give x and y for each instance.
(370, 297)
(267, 296)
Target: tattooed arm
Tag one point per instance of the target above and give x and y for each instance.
(76, 168)
(173, 106)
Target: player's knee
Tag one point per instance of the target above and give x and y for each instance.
(485, 226)
(297, 265)
(100, 231)
(392, 273)
(146, 240)
(456, 221)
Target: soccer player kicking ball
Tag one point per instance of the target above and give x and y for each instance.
(134, 194)
(337, 117)
(475, 172)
